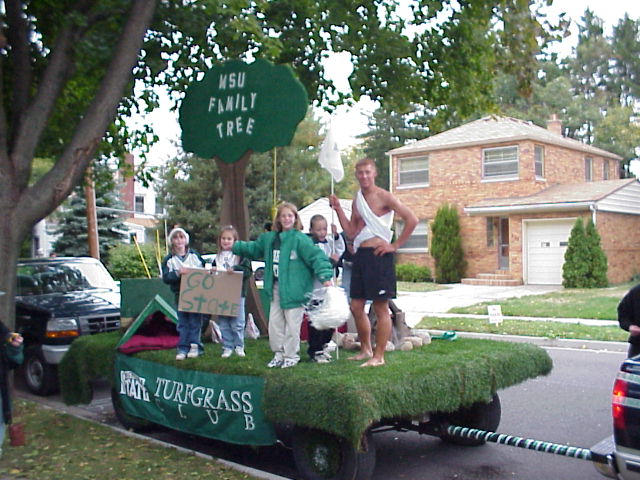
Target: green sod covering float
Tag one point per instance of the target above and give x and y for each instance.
(340, 397)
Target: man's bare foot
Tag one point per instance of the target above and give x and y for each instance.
(373, 362)
(362, 356)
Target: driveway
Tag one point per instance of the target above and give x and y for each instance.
(418, 304)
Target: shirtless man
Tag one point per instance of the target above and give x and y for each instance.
(373, 276)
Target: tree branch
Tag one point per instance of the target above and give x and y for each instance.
(68, 170)
(18, 39)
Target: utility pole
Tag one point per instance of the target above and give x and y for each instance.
(92, 216)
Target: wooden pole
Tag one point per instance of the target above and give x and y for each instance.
(92, 216)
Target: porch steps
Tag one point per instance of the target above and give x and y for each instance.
(500, 278)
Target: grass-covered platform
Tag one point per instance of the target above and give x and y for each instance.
(340, 397)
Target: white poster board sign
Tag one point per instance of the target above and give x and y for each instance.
(217, 293)
(495, 314)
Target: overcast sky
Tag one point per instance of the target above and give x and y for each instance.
(349, 122)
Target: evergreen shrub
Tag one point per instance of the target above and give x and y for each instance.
(585, 264)
(446, 245)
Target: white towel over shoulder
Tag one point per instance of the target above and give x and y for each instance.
(375, 226)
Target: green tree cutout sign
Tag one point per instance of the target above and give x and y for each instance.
(236, 109)
(239, 107)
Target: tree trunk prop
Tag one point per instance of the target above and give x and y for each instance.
(234, 212)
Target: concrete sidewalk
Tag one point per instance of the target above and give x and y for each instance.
(420, 304)
(417, 305)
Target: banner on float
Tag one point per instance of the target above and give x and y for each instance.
(222, 407)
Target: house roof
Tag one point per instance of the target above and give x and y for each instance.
(621, 196)
(143, 222)
(496, 129)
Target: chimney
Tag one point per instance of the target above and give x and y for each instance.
(554, 124)
(127, 186)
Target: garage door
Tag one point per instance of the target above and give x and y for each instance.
(546, 243)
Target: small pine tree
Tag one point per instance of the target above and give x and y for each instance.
(585, 264)
(575, 268)
(446, 245)
(72, 226)
(597, 258)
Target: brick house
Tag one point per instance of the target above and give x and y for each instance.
(518, 189)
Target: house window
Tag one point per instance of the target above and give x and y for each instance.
(491, 231)
(413, 171)
(588, 169)
(159, 207)
(605, 170)
(500, 163)
(539, 161)
(139, 204)
(418, 241)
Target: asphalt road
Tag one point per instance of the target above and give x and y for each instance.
(571, 405)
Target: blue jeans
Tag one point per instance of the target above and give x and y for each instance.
(189, 330)
(232, 328)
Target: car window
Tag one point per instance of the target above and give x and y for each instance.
(44, 278)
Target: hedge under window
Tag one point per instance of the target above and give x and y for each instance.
(500, 162)
(413, 171)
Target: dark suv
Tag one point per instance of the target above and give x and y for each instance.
(59, 299)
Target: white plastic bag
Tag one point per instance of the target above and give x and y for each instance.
(216, 334)
(328, 308)
(251, 330)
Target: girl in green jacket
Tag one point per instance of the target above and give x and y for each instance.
(291, 262)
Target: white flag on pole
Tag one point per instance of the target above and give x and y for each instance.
(330, 156)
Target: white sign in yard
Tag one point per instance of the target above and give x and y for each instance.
(495, 314)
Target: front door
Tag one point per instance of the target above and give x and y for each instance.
(503, 243)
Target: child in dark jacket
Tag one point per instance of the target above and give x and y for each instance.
(11, 355)
(180, 258)
(333, 247)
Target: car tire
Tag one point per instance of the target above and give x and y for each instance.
(136, 424)
(41, 378)
(483, 416)
(320, 455)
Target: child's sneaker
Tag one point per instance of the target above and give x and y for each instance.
(240, 351)
(180, 356)
(289, 362)
(193, 351)
(322, 357)
(275, 362)
(226, 352)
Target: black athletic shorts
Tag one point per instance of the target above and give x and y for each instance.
(373, 276)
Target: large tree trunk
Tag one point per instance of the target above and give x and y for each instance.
(234, 212)
(23, 205)
(12, 234)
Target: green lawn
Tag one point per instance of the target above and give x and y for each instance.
(549, 329)
(596, 303)
(63, 447)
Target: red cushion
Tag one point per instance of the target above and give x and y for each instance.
(139, 343)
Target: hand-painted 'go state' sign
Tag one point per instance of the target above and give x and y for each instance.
(238, 107)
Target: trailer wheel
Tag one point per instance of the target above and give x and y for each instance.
(129, 422)
(483, 416)
(321, 455)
